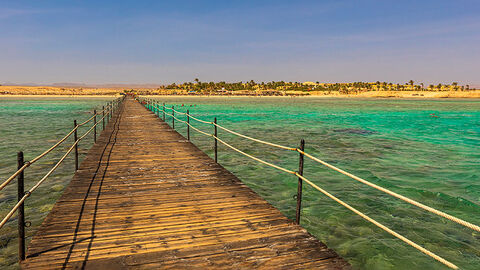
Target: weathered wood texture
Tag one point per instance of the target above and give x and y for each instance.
(144, 197)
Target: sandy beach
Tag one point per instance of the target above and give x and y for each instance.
(370, 94)
(48, 91)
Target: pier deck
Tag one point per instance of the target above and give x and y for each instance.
(145, 197)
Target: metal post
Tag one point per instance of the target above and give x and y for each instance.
(75, 137)
(216, 142)
(103, 117)
(300, 182)
(94, 126)
(21, 209)
(188, 125)
(164, 111)
(173, 118)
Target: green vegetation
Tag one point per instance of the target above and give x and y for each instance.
(281, 87)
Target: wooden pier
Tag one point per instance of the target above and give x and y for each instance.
(145, 197)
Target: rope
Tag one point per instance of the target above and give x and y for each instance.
(396, 195)
(254, 158)
(161, 105)
(88, 120)
(93, 116)
(378, 224)
(29, 192)
(381, 226)
(364, 216)
(241, 135)
(179, 112)
(28, 163)
(256, 140)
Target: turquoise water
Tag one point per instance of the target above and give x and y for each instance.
(33, 125)
(393, 143)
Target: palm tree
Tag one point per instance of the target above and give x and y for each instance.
(455, 85)
(411, 82)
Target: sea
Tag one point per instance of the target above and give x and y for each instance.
(425, 149)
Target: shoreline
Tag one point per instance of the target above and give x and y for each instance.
(55, 96)
(475, 94)
(472, 94)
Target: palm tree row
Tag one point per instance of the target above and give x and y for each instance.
(199, 86)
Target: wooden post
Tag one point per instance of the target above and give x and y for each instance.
(164, 111)
(21, 209)
(216, 142)
(75, 137)
(103, 117)
(188, 125)
(173, 118)
(94, 126)
(300, 182)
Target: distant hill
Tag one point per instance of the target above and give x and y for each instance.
(84, 85)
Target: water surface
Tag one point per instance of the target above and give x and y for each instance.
(394, 143)
(427, 150)
(33, 125)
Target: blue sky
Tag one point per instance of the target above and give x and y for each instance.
(171, 41)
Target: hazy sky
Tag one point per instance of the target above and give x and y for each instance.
(170, 41)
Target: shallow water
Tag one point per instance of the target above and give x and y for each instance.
(394, 143)
(33, 125)
(397, 144)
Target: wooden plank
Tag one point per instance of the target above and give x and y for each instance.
(144, 197)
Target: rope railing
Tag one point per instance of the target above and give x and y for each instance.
(380, 225)
(300, 176)
(29, 192)
(95, 114)
(29, 163)
(240, 135)
(106, 113)
(346, 205)
(394, 194)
